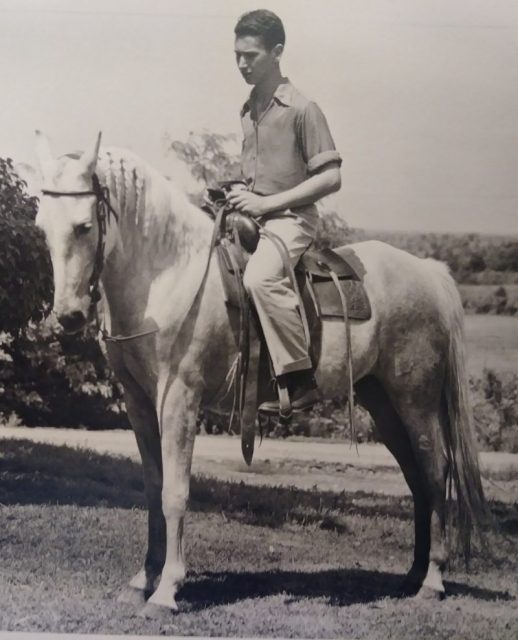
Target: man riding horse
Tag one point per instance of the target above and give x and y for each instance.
(289, 161)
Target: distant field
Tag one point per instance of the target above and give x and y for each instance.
(492, 342)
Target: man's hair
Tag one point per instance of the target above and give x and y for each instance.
(263, 24)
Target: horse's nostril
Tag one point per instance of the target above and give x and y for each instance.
(72, 322)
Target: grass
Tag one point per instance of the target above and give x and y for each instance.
(262, 561)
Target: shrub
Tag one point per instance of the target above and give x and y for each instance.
(495, 410)
(25, 270)
(48, 378)
(498, 300)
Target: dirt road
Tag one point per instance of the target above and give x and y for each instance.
(328, 465)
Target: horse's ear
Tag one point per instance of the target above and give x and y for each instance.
(30, 176)
(89, 157)
(44, 155)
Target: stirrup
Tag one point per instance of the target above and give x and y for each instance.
(281, 407)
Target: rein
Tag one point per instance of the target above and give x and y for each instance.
(103, 209)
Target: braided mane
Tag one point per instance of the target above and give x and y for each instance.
(154, 213)
(155, 216)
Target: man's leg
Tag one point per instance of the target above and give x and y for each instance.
(277, 307)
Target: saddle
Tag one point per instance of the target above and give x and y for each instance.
(239, 236)
(329, 284)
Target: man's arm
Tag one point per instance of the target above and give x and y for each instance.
(323, 182)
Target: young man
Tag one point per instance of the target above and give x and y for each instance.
(289, 162)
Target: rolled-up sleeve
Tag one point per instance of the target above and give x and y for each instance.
(316, 141)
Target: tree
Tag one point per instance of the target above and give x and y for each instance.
(211, 158)
(25, 269)
(333, 231)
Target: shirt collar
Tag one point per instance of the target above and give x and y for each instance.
(282, 95)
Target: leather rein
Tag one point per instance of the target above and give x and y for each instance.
(103, 210)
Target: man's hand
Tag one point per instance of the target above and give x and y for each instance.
(249, 203)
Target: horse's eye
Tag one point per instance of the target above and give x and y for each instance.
(82, 229)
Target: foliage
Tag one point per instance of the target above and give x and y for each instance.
(25, 270)
(333, 230)
(49, 378)
(209, 158)
(495, 409)
(472, 258)
(491, 299)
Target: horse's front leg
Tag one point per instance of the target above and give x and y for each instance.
(143, 418)
(135, 369)
(178, 430)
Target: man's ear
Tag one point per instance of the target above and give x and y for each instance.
(277, 52)
(30, 176)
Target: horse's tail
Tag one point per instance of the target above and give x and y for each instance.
(472, 509)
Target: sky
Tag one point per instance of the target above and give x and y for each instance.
(421, 95)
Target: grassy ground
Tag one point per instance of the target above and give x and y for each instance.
(262, 561)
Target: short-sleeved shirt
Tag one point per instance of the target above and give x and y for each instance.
(289, 142)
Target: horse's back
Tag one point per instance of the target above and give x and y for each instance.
(409, 296)
(391, 272)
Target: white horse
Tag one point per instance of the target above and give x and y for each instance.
(152, 256)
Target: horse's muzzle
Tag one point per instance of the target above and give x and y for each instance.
(72, 322)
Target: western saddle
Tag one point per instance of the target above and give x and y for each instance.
(328, 283)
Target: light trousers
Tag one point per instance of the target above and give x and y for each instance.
(270, 288)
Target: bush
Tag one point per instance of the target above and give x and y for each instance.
(25, 270)
(48, 378)
(497, 300)
(472, 258)
(495, 410)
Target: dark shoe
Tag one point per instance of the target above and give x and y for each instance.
(306, 400)
(302, 390)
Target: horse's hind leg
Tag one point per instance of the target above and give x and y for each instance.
(374, 398)
(423, 416)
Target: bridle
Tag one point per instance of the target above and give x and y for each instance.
(103, 210)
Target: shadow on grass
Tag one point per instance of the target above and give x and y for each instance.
(342, 587)
(36, 473)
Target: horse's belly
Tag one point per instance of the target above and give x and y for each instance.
(332, 372)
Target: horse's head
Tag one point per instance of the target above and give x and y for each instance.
(67, 216)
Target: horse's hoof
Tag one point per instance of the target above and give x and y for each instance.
(427, 593)
(158, 612)
(412, 582)
(130, 595)
(408, 588)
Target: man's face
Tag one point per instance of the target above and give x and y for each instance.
(254, 61)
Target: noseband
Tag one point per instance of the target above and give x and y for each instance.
(103, 209)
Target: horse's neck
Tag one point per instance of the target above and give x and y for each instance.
(157, 222)
(158, 231)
